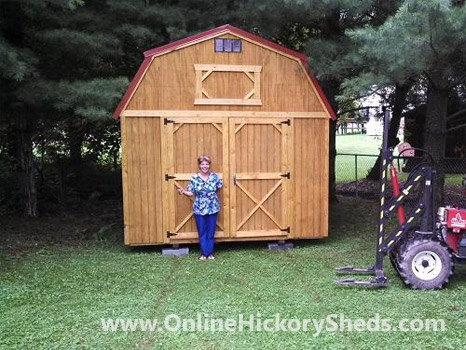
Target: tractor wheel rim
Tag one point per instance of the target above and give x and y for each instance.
(426, 265)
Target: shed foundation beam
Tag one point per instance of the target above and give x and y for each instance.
(280, 245)
(175, 251)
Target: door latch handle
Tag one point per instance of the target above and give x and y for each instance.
(234, 180)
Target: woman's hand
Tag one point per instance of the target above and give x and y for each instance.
(181, 190)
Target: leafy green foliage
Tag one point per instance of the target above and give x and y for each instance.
(65, 64)
(15, 63)
(92, 99)
(422, 38)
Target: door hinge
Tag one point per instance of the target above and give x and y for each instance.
(287, 122)
(287, 230)
(287, 175)
(166, 121)
(169, 177)
(170, 234)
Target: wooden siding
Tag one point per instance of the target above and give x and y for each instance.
(258, 152)
(311, 180)
(170, 81)
(142, 181)
(258, 159)
(186, 139)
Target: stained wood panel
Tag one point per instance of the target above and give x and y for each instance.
(258, 162)
(187, 139)
(254, 154)
(170, 81)
(242, 84)
(228, 85)
(311, 182)
(142, 188)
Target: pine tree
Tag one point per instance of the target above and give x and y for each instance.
(424, 41)
(51, 72)
(65, 65)
(318, 28)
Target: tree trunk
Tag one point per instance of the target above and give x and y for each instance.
(332, 159)
(26, 168)
(401, 91)
(75, 144)
(71, 171)
(435, 137)
(75, 135)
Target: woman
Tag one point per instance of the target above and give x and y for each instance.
(206, 205)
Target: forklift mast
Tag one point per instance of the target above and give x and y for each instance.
(423, 209)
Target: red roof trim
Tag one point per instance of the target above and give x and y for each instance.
(131, 87)
(225, 28)
(320, 91)
(175, 44)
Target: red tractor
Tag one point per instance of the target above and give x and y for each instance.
(424, 244)
(426, 261)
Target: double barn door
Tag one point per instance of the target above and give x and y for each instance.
(252, 157)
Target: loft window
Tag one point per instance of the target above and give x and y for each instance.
(227, 45)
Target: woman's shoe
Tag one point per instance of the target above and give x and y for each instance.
(202, 257)
(211, 257)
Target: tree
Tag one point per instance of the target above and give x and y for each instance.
(398, 101)
(17, 65)
(424, 40)
(319, 29)
(44, 70)
(65, 65)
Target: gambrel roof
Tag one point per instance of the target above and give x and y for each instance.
(215, 32)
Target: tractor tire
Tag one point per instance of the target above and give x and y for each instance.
(395, 252)
(393, 255)
(424, 263)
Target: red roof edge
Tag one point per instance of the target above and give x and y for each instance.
(176, 44)
(319, 90)
(131, 87)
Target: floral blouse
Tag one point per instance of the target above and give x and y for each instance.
(206, 200)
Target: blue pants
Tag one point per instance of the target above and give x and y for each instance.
(206, 230)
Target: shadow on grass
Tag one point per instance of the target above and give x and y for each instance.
(349, 219)
(224, 247)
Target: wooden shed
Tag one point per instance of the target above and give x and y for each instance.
(250, 104)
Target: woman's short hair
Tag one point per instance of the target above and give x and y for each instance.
(203, 158)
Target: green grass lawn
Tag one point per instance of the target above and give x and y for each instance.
(346, 165)
(358, 144)
(53, 295)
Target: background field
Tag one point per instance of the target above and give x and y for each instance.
(359, 144)
(346, 165)
(349, 168)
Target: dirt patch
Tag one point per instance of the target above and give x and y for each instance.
(455, 195)
(94, 220)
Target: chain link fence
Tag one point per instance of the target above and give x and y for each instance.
(351, 171)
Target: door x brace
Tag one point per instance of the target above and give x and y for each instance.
(259, 205)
